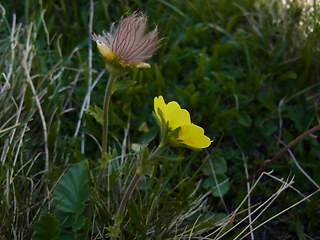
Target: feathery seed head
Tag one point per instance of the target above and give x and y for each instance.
(128, 42)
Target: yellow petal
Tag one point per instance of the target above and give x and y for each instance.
(105, 51)
(176, 116)
(159, 104)
(193, 136)
(189, 134)
(143, 65)
(171, 113)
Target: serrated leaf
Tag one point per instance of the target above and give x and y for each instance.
(111, 231)
(122, 84)
(47, 228)
(96, 112)
(78, 223)
(114, 230)
(73, 191)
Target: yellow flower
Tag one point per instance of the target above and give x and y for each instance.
(177, 121)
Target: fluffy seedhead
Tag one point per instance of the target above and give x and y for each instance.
(128, 41)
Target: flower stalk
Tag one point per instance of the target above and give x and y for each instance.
(104, 153)
(128, 194)
(126, 46)
(141, 171)
(147, 161)
(112, 79)
(123, 48)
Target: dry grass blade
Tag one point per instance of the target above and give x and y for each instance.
(283, 211)
(259, 209)
(28, 57)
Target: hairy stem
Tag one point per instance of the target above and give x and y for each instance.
(104, 156)
(120, 213)
(107, 96)
(128, 193)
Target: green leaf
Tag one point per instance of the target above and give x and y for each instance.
(67, 236)
(78, 223)
(47, 228)
(96, 112)
(244, 119)
(194, 99)
(288, 76)
(122, 84)
(105, 159)
(146, 165)
(53, 133)
(219, 165)
(300, 230)
(159, 79)
(219, 184)
(73, 191)
(299, 115)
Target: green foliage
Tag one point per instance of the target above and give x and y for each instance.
(96, 112)
(220, 184)
(73, 192)
(69, 201)
(123, 84)
(47, 228)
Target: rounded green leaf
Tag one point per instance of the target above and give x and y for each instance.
(219, 184)
(47, 228)
(73, 191)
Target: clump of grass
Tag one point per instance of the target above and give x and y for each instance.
(32, 108)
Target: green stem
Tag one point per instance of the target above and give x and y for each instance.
(135, 180)
(107, 96)
(104, 156)
(120, 213)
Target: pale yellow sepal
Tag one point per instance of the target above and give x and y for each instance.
(143, 65)
(105, 51)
